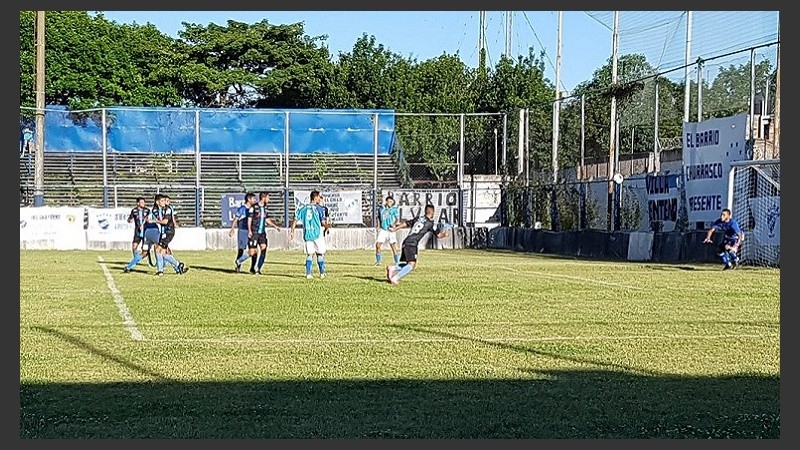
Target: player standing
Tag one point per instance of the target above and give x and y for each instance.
(420, 226)
(239, 225)
(309, 216)
(732, 238)
(388, 215)
(138, 216)
(259, 223)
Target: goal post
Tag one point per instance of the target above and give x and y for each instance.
(754, 198)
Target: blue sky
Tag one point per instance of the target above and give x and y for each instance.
(586, 35)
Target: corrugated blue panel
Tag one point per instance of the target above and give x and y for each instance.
(172, 130)
(242, 132)
(162, 130)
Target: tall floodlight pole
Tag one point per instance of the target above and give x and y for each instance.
(656, 154)
(38, 174)
(687, 84)
(752, 98)
(557, 102)
(612, 149)
(509, 18)
(777, 113)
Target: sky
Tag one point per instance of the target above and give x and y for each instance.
(586, 36)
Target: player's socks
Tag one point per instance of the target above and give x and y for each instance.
(725, 258)
(321, 263)
(159, 262)
(253, 260)
(396, 258)
(242, 259)
(136, 258)
(378, 258)
(261, 258)
(309, 262)
(239, 253)
(173, 262)
(404, 271)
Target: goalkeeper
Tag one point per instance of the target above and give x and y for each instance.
(420, 226)
(732, 238)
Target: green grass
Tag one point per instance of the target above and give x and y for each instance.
(472, 344)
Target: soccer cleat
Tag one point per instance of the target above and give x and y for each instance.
(309, 276)
(377, 263)
(727, 267)
(322, 275)
(252, 271)
(390, 273)
(238, 266)
(395, 280)
(258, 272)
(159, 274)
(184, 268)
(126, 269)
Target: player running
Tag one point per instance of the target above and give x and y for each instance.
(419, 227)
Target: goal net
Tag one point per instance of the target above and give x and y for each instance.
(754, 197)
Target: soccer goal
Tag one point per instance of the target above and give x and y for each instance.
(754, 198)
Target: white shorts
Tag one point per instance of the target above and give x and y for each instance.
(316, 246)
(386, 236)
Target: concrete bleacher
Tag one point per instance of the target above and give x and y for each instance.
(76, 178)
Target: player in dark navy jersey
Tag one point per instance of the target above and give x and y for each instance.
(420, 226)
(138, 216)
(239, 226)
(168, 230)
(152, 237)
(732, 238)
(258, 226)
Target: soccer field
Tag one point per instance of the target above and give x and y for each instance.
(471, 344)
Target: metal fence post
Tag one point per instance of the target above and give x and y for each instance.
(286, 171)
(375, 169)
(197, 168)
(104, 134)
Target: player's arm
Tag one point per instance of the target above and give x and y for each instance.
(739, 233)
(175, 219)
(250, 224)
(132, 216)
(234, 223)
(400, 223)
(297, 215)
(710, 232)
(271, 223)
(443, 231)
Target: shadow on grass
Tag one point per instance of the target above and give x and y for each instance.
(540, 404)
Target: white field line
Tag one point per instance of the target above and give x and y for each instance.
(127, 318)
(465, 339)
(582, 280)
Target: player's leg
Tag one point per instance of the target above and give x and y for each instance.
(166, 255)
(411, 264)
(137, 255)
(152, 238)
(393, 245)
(135, 244)
(241, 248)
(379, 240)
(309, 248)
(320, 249)
(252, 245)
(407, 254)
(722, 252)
(733, 254)
(262, 247)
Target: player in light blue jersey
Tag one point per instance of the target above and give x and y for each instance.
(732, 238)
(308, 215)
(389, 215)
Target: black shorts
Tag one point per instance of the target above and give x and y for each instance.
(408, 253)
(166, 238)
(261, 239)
(137, 239)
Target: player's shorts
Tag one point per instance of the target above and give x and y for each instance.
(409, 253)
(385, 236)
(261, 239)
(166, 238)
(152, 237)
(317, 246)
(252, 243)
(241, 239)
(137, 238)
(731, 242)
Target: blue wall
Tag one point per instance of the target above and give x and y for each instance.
(172, 130)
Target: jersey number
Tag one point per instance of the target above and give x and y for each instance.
(417, 228)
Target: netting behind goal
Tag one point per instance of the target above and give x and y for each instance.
(755, 201)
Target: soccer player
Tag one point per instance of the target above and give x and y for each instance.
(309, 216)
(240, 226)
(152, 237)
(420, 226)
(732, 238)
(388, 215)
(138, 216)
(168, 230)
(258, 223)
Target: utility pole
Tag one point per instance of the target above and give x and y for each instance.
(699, 89)
(557, 102)
(776, 152)
(612, 137)
(38, 174)
(509, 19)
(687, 83)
